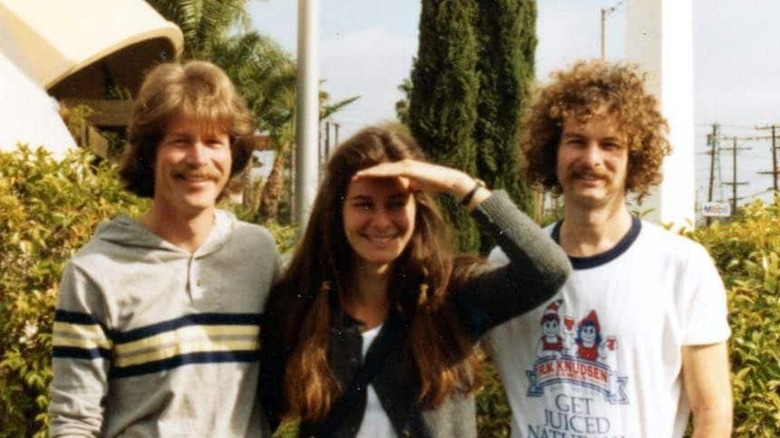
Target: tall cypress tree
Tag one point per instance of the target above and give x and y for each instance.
(469, 83)
(443, 107)
(506, 31)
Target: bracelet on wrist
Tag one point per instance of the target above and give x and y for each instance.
(478, 183)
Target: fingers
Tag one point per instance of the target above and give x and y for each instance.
(388, 170)
(421, 175)
(396, 170)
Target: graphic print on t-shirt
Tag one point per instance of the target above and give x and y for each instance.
(575, 370)
(580, 356)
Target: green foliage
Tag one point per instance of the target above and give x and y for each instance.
(288, 429)
(494, 418)
(747, 253)
(402, 105)
(265, 75)
(50, 209)
(443, 106)
(507, 33)
(285, 236)
(469, 83)
(203, 22)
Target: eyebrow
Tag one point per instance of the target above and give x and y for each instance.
(577, 135)
(394, 196)
(176, 134)
(400, 195)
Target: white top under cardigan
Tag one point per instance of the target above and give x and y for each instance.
(376, 423)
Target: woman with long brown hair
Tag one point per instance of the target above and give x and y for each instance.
(371, 330)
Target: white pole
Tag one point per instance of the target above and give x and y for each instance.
(307, 111)
(660, 40)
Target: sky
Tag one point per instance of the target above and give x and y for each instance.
(367, 49)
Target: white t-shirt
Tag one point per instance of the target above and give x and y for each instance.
(603, 357)
(376, 423)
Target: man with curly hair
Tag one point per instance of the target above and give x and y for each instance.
(647, 306)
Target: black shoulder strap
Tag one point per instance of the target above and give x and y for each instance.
(377, 353)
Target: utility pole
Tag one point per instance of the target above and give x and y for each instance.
(734, 182)
(712, 140)
(604, 13)
(774, 172)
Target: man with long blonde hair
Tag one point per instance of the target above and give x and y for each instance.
(158, 317)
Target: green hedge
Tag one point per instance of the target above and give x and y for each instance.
(50, 209)
(747, 253)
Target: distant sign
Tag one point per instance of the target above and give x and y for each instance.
(719, 209)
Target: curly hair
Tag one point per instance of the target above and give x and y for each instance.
(580, 93)
(421, 278)
(196, 89)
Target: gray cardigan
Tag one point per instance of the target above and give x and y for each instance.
(490, 296)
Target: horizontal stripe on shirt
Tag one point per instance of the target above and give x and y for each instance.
(192, 339)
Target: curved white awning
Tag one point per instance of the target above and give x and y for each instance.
(55, 38)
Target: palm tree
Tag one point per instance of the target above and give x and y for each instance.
(266, 76)
(204, 23)
(284, 139)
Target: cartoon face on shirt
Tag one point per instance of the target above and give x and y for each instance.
(550, 327)
(588, 334)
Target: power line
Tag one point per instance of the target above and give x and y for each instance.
(762, 192)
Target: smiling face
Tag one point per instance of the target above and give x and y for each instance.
(191, 168)
(550, 327)
(378, 216)
(588, 333)
(593, 162)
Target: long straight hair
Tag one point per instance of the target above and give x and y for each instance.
(419, 281)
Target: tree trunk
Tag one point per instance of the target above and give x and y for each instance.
(274, 187)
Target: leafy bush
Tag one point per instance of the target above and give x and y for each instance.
(285, 236)
(494, 417)
(50, 209)
(747, 253)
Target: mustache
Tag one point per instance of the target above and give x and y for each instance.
(589, 172)
(204, 172)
